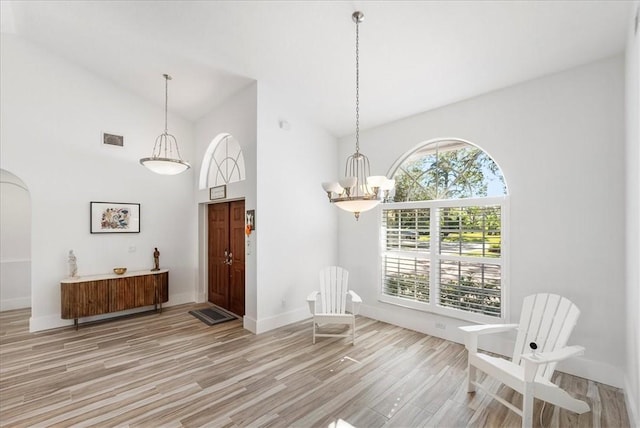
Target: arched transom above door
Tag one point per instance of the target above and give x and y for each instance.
(223, 162)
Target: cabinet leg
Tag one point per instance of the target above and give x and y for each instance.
(75, 323)
(158, 299)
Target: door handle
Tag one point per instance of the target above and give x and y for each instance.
(228, 260)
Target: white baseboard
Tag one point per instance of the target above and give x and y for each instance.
(249, 324)
(270, 323)
(10, 304)
(578, 366)
(47, 322)
(54, 321)
(180, 299)
(632, 406)
(593, 370)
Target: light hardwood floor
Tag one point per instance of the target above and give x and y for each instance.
(171, 370)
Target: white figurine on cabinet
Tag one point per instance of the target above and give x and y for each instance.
(73, 265)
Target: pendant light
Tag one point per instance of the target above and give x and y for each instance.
(358, 191)
(166, 159)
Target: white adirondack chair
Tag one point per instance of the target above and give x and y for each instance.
(333, 298)
(546, 321)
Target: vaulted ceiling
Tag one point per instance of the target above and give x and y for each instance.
(414, 56)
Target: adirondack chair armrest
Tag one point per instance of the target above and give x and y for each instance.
(311, 301)
(531, 361)
(553, 356)
(355, 302)
(473, 331)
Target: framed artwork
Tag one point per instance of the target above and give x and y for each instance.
(115, 217)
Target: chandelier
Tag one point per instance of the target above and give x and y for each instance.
(358, 191)
(162, 160)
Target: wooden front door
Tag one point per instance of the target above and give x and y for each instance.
(226, 256)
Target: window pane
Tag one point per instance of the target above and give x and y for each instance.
(473, 287)
(406, 277)
(470, 231)
(407, 230)
(448, 169)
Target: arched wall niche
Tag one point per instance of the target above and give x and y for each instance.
(223, 162)
(15, 242)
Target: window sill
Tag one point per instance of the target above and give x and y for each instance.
(440, 310)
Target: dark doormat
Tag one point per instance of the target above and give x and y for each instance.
(212, 316)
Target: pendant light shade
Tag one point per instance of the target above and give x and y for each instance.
(358, 191)
(165, 166)
(165, 159)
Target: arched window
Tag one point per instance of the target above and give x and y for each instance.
(223, 162)
(443, 240)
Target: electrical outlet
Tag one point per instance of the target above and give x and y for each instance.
(441, 325)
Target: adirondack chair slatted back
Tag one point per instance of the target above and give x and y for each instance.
(547, 320)
(334, 282)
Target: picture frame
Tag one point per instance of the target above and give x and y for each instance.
(114, 217)
(218, 192)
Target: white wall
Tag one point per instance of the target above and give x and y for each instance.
(296, 227)
(15, 243)
(53, 115)
(632, 156)
(559, 141)
(236, 116)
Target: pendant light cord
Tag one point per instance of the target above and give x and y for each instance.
(166, 100)
(357, 86)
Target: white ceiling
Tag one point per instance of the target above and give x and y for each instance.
(414, 56)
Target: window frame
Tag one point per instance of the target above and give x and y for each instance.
(434, 257)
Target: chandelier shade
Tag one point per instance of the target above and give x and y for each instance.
(164, 166)
(356, 206)
(165, 159)
(358, 191)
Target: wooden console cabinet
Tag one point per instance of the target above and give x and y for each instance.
(100, 294)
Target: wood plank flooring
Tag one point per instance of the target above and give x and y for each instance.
(171, 370)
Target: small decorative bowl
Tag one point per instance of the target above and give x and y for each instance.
(119, 270)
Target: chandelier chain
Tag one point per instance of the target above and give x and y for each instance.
(357, 87)
(166, 100)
